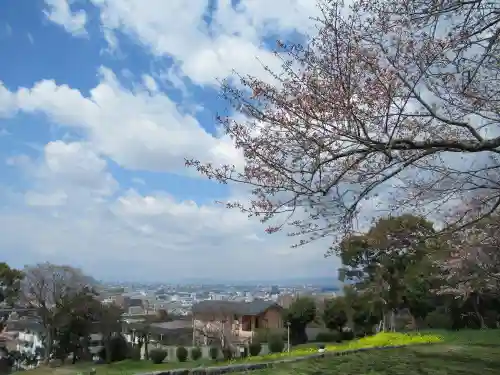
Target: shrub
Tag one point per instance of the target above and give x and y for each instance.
(227, 354)
(119, 348)
(360, 332)
(276, 344)
(157, 356)
(195, 354)
(254, 348)
(181, 354)
(328, 336)
(213, 352)
(439, 320)
(347, 335)
(262, 334)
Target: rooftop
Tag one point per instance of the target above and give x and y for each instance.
(233, 307)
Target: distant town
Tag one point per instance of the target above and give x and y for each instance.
(178, 300)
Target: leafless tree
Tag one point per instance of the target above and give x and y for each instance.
(48, 288)
(216, 329)
(390, 95)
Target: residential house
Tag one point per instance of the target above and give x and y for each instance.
(27, 335)
(235, 321)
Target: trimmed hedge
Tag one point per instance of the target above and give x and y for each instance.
(255, 348)
(329, 336)
(195, 354)
(157, 355)
(181, 353)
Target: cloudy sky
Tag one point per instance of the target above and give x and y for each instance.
(100, 102)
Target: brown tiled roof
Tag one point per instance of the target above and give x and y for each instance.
(255, 307)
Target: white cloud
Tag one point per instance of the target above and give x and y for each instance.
(138, 130)
(205, 52)
(150, 83)
(74, 210)
(70, 216)
(59, 12)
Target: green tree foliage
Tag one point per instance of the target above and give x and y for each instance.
(10, 284)
(275, 344)
(335, 314)
(301, 312)
(108, 321)
(58, 293)
(379, 260)
(72, 323)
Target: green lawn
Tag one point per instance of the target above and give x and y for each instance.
(465, 352)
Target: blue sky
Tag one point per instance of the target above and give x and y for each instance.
(100, 102)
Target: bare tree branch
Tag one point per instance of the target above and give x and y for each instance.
(399, 96)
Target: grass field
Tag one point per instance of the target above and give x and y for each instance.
(460, 353)
(464, 353)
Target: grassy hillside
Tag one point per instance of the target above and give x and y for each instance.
(464, 353)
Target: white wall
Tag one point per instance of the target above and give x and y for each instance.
(29, 342)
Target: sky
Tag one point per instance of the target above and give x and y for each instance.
(101, 101)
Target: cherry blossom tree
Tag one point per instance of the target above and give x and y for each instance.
(473, 265)
(392, 101)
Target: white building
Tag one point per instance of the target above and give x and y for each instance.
(28, 334)
(29, 343)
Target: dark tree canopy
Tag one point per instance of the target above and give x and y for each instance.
(389, 263)
(301, 312)
(10, 284)
(335, 313)
(399, 96)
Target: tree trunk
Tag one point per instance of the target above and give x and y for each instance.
(475, 303)
(146, 351)
(393, 321)
(107, 348)
(49, 345)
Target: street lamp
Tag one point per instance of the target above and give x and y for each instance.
(287, 336)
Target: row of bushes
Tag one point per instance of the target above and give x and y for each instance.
(275, 344)
(335, 336)
(157, 355)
